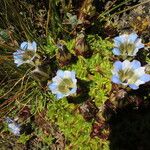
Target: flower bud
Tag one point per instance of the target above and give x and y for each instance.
(13, 126)
(81, 46)
(88, 110)
(63, 55)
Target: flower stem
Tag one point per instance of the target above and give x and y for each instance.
(40, 72)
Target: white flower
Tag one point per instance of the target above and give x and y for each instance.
(13, 127)
(127, 45)
(63, 84)
(25, 54)
(129, 74)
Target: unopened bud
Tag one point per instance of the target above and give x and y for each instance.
(63, 55)
(81, 46)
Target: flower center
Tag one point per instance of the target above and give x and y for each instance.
(127, 48)
(65, 85)
(128, 76)
(27, 55)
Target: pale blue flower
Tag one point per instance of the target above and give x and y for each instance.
(63, 84)
(25, 54)
(129, 74)
(127, 45)
(12, 126)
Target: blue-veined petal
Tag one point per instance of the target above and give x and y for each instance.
(74, 80)
(116, 79)
(34, 46)
(121, 38)
(59, 95)
(139, 44)
(53, 87)
(18, 57)
(67, 74)
(132, 37)
(18, 62)
(116, 43)
(57, 79)
(14, 128)
(116, 51)
(30, 46)
(73, 74)
(135, 64)
(126, 64)
(24, 45)
(135, 51)
(145, 78)
(73, 90)
(140, 71)
(139, 82)
(118, 65)
(60, 73)
(133, 86)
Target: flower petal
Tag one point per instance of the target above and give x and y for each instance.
(73, 74)
(67, 74)
(73, 90)
(118, 65)
(19, 62)
(126, 64)
(74, 81)
(121, 38)
(18, 57)
(57, 79)
(9, 120)
(24, 45)
(140, 71)
(132, 37)
(135, 51)
(116, 51)
(34, 46)
(138, 44)
(145, 78)
(19, 53)
(30, 46)
(117, 44)
(59, 95)
(60, 73)
(133, 86)
(116, 79)
(14, 128)
(53, 88)
(139, 82)
(135, 64)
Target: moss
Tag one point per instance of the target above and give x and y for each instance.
(59, 124)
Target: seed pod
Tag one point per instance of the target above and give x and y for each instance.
(88, 110)
(81, 46)
(100, 130)
(63, 55)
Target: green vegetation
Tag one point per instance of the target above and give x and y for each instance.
(70, 35)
